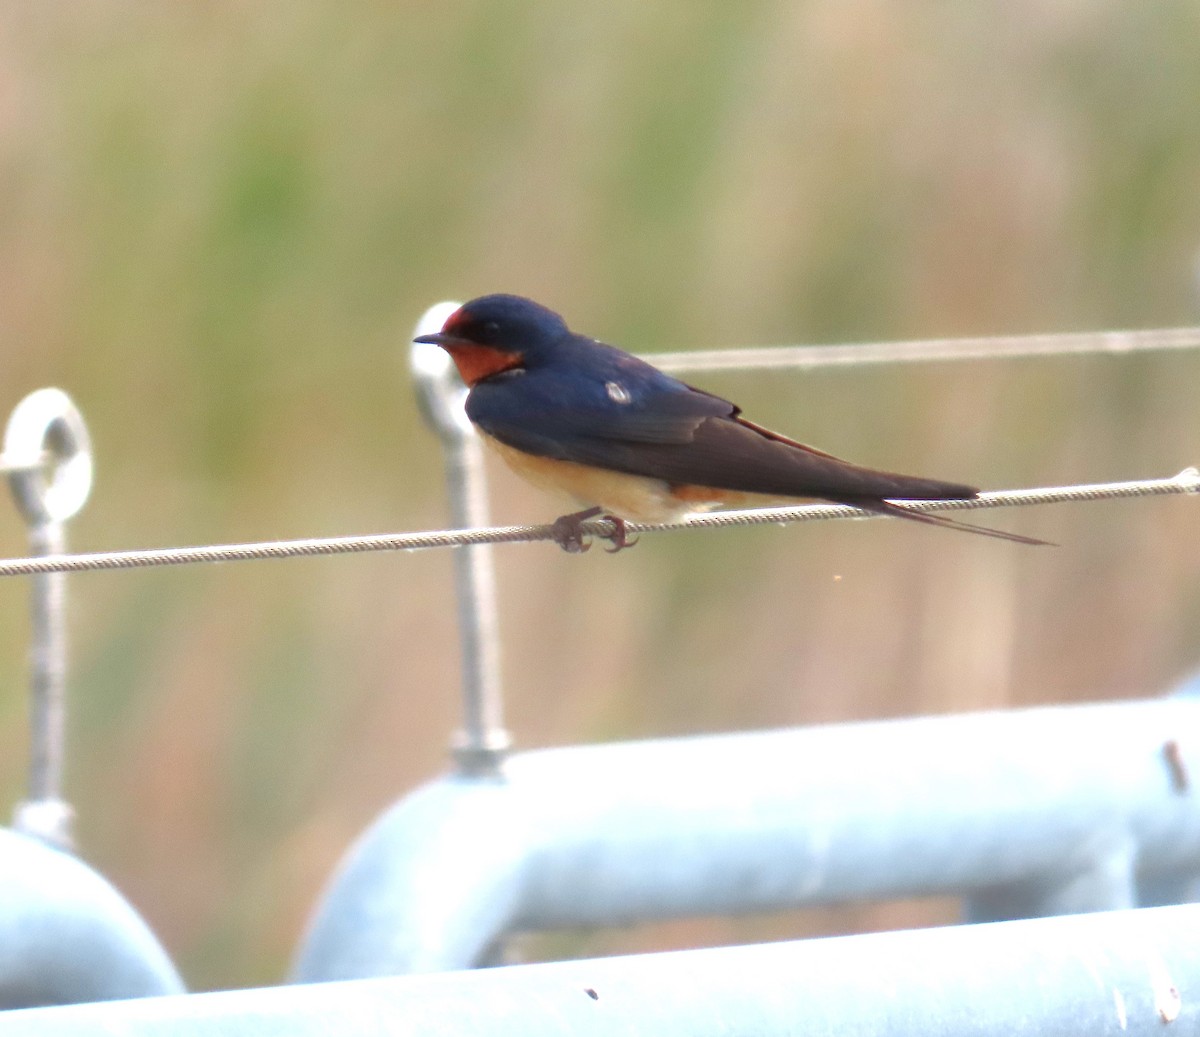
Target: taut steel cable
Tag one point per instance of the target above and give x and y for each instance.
(1187, 481)
(1001, 347)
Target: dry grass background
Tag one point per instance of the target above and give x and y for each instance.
(220, 221)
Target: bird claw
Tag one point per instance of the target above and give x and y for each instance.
(619, 538)
(567, 532)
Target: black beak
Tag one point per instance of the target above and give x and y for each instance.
(438, 338)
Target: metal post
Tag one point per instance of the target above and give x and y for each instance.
(48, 456)
(481, 743)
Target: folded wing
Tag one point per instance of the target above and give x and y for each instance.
(643, 422)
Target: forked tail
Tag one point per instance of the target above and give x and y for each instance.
(884, 507)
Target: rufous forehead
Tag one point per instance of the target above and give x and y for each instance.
(454, 320)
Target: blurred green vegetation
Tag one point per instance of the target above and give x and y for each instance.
(220, 222)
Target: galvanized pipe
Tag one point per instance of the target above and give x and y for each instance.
(66, 936)
(1066, 804)
(1128, 973)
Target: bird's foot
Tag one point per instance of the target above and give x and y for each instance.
(567, 532)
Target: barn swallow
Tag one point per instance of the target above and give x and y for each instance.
(570, 413)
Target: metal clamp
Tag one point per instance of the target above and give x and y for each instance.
(480, 745)
(48, 458)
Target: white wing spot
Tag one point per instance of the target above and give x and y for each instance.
(617, 392)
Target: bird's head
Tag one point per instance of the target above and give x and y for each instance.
(497, 333)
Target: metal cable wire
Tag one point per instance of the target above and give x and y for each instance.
(1003, 347)
(1187, 481)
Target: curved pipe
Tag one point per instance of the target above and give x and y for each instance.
(66, 936)
(1061, 809)
(427, 888)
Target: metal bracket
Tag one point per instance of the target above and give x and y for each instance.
(480, 745)
(48, 459)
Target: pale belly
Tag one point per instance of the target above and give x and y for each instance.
(633, 497)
